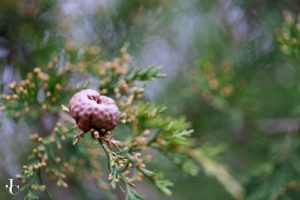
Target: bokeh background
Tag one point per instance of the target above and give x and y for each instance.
(233, 71)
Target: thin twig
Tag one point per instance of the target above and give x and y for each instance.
(107, 152)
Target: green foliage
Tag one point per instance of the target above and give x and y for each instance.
(54, 156)
(261, 100)
(237, 86)
(27, 31)
(289, 36)
(144, 74)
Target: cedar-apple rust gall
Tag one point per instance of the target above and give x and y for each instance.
(93, 112)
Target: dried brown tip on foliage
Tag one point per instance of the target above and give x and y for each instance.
(93, 111)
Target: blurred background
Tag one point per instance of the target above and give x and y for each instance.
(233, 71)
